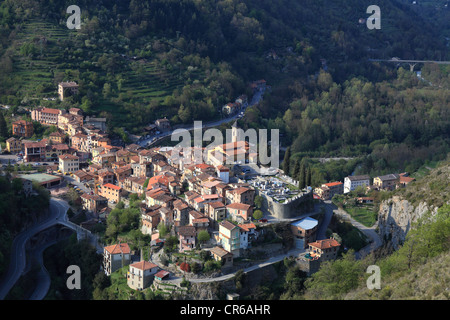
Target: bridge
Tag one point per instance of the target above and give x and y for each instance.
(82, 233)
(412, 63)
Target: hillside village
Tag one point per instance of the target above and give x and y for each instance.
(209, 207)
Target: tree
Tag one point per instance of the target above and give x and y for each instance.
(258, 214)
(3, 126)
(296, 169)
(184, 266)
(101, 281)
(106, 90)
(196, 267)
(120, 205)
(301, 176)
(184, 113)
(86, 105)
(146, 183)
(259, 201)
(308, 176)
(170, 244)
(162, 228)
(70, 213)
(111, 231)
(286, 161)
(324, 80)
(212, 265)
(203, 236)
(335, 278)
(295, 279)
(205, 255)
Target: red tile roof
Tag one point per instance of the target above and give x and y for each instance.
(222, 168)
(239, 206)
(203, 166)
(68, 157)
(404, 179)
(218, 251)
(240, 190)
(112, 186)
(325, 244)
(49, 110)
(143, 265)
(187, 231)
(161, 274)
(38, 144)
(157, 179)
(247, 226)
(332, 184)
(118, 248)
(228, 225)
(216, 204)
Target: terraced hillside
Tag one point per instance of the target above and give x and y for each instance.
(36, 57)
(131, 93)
(152, 81)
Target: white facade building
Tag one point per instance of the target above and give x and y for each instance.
(68, 163)
(353, 182)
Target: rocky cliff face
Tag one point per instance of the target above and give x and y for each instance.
(396, 216)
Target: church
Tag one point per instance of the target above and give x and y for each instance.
(238, 151)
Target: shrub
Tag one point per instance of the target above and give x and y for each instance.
(212, 265)
(185, 267)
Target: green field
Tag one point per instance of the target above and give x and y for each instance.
(363, 214)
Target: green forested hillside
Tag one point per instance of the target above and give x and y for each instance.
(16, 210)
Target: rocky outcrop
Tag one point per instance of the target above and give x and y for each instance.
(396, 216)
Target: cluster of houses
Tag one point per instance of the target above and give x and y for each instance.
(234, 107)
(187, 198)
(242, 101)
(304, 232)
(185, 195)
(385, 182)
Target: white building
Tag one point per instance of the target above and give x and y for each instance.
(223, 173)
(244, 239)
(141, 274)
(115, 257)
(353, 182)
(68, 163)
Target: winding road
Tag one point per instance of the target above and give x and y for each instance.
(43, 277)
(57, 212)
(148, 142)
(370, 232)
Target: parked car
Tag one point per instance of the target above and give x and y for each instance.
(263, 220)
